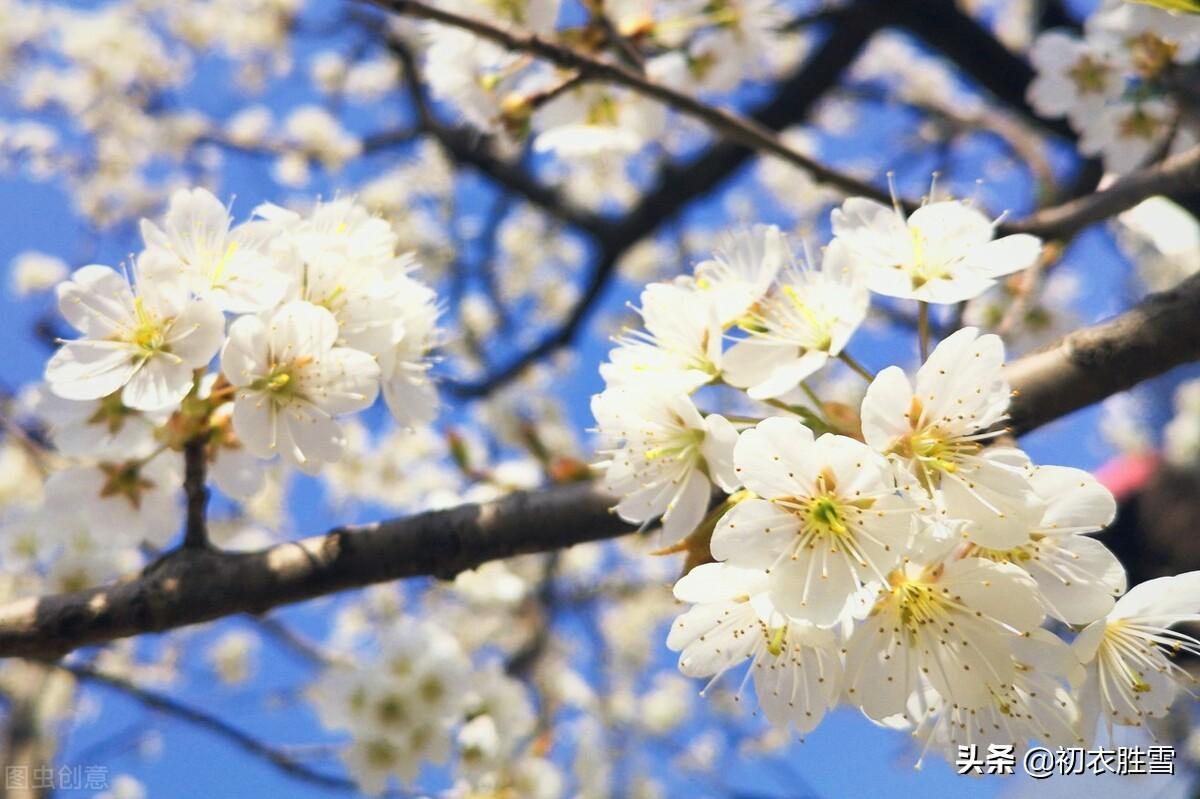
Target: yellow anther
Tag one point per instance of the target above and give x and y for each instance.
(778, 637)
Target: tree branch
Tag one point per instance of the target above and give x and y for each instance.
(681, 183)
(192, 586)
(214, 724)
(1177, 174)
(195, 489)
(1099, 361)
(731, 126)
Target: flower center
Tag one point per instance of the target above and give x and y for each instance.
(916, 602)
(820, 327)
(922, 270)
(603, 112)
(1139, 125)
(125, 480)
(281, 384)
(824, 513)
(1089, 75)
(111, 413)
(380, 754)
(147, 333)
(685, 441)
(1151, 54)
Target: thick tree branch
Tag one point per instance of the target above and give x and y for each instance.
(192, 586)
(1096, 362)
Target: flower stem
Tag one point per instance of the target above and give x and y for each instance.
(923, 329)
(850, 361)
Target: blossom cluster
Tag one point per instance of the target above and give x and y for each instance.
(590, 128)
(1115, 84)
(409, 707)
(904, 557)
(307, 317)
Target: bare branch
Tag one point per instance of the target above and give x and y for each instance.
(214, 724)
(195, 585)
(1096, 362)
(1177, 174)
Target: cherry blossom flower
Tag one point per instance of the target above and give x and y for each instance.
(1128, 133)
(951, 622)
(680, 349)
(664, 456)
(596, 119)
(232, 268)
(794, 332)
(1075, 78)
(102, 428)
(1078, 578)
(1129, 678)
(794, 665)
(943, 253)
(400, 710)
(936, 431)
(292, 381)
(144, 342)
(1038, 705)
(742, 270)
(830, 518)
(127, 502)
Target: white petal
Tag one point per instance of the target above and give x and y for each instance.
(884, 408)
(342, 381)
(245, 356)
(87, 369)
(720, 437)
(1004, 256)
(753, 534)
(161, 383)
(301, 329)
(254, 421)
(1075, 500)
(96, 301)
(197, 333)
(770, 457)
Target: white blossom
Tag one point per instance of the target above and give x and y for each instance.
(1129, 678)
(292, 381)
(936, 431)
(795, 666)
(943, 253)
(830, 519)
(664, 456)
(195, 245)
(145, 342)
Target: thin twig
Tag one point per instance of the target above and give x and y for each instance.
(216, 725)
(726, 123)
